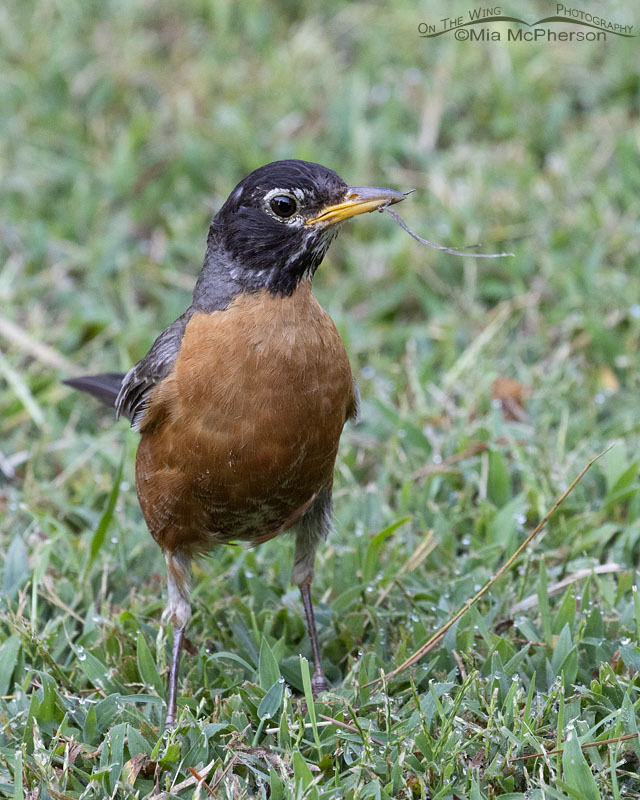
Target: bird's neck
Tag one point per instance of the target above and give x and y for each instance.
(224, 277)
(218, 283)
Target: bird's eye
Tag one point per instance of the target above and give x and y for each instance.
(283, 205)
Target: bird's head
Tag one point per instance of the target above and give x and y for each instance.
(276, 225)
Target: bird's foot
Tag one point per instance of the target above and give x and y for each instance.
(319, 684)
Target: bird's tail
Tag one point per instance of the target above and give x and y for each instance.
(105, 387)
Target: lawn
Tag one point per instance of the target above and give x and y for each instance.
(487, 386)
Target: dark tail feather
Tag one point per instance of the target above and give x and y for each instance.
(105, 387)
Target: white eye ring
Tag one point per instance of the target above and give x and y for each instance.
(283, 205)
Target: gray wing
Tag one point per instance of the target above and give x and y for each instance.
(133, 398)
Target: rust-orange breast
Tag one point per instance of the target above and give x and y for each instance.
(243, 433)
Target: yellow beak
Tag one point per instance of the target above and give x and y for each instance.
(357, 200)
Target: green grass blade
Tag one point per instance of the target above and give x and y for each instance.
(311, 706)
(147, 666)
(97, 540)
(271, 702)
(268, 669)
(576, 772)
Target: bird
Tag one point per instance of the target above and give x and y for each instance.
(240, 403)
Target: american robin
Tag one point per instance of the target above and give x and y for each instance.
(241, 401)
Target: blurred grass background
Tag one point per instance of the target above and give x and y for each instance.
(123, 127)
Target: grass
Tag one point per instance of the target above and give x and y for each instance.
(122, 127)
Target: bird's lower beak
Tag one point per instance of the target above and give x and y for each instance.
(357, 200)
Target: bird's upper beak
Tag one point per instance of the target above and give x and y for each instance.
(357, 200)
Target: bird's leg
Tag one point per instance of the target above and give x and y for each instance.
(312, 529)
(179, 612)
(172, 693)
(319, 681)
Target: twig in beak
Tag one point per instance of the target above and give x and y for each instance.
(404, 225)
